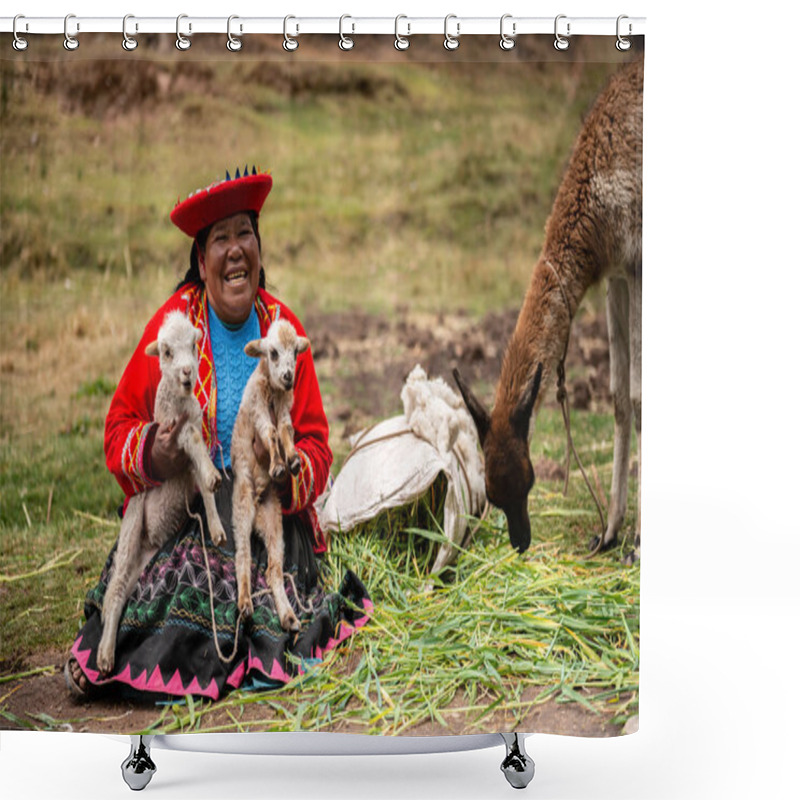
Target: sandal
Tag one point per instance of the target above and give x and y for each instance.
(79, 686)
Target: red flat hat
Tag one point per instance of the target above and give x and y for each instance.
(222, 199)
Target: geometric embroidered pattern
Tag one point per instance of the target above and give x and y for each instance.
(166, 642)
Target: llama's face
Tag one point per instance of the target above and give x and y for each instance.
(509, 479)
(503, 435)
(176, 348)
(278, 352)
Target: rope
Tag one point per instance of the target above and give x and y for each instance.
(307, 609)
(396, 434)
(224, 659)
(563, 399)
(359, 446)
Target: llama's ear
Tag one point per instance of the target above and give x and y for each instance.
(521, 415)
(152, 348)
(476, 409)
(198, 334)
(253, 348)
(302, 344)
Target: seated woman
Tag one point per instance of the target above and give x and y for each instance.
(181, 631)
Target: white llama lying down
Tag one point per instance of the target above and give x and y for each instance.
(155, 515)
(268, 395)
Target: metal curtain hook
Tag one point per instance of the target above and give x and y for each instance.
(234, 43)
(182, 43)
(70, 42)
(345, 42)
(19, 43)
(561, 43)
(401, 42)
(507, 42)
(289, 43)
(451, 42)
(623, 43)
(128, 42)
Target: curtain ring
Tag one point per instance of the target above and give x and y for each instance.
(345, 42)
(290, 44)
(401, 42)
(507, 42)
(623, 44)
(561, 43)
(182, 42)
(451, 42)
(19, 44)
(128, 42)
(70, 42)
(234, 44)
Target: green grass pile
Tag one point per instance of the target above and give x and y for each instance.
(491, 640)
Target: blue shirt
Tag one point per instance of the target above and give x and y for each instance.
(233, 369)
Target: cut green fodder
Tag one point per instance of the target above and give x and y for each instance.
(404, 529)
(505, 634)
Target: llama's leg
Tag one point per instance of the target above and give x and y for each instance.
(277, 464)
(207, 477)
(206, 474)
(268, 434)
(618, 345)
(286, 437)
(215, 529)
(269, 524)
(635, 288)
(243, 515)
(125, 572)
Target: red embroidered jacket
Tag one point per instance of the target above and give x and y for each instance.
(131, 413)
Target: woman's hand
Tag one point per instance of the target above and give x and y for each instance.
(167, 459)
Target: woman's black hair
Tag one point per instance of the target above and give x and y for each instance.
(193, 273)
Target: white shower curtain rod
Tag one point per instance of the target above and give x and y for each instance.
(452, 26)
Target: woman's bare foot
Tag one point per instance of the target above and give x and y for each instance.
(78, 685)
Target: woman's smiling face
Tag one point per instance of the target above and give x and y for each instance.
(230, 268)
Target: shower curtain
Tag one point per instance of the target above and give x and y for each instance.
(411, 196)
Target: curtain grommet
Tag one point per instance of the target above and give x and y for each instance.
(290, 43)
(507, 42)
(451, 42)
(129, 43)
(182, 42)
(401, 42)
(70, 42)
(234, 43)
(622, 43)
(561, 42)
(345, 42)
(19, 44)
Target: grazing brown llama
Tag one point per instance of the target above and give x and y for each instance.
(594, 232)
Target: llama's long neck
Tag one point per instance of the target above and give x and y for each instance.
(556, 289)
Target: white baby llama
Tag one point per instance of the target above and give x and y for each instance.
(268, 396)
(154, 515)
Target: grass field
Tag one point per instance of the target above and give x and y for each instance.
(400, 188)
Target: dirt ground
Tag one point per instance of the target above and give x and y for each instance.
(374, 354)
(46, 694)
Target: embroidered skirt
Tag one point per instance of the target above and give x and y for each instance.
(170, 643)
